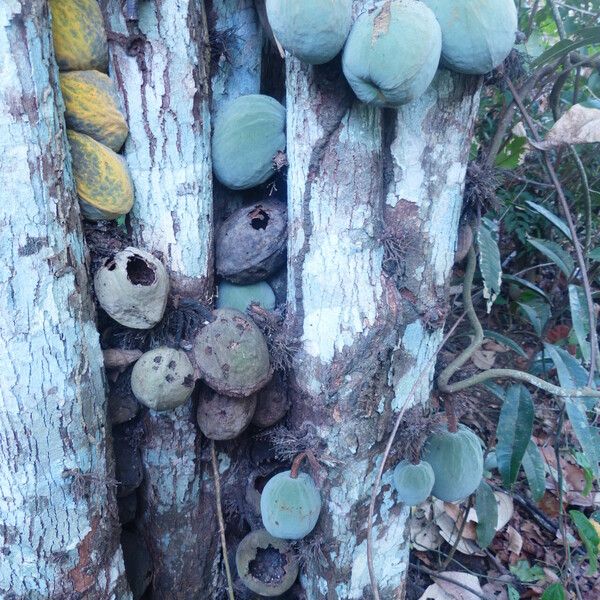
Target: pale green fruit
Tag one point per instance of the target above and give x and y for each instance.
(240, 297)
(413, 483)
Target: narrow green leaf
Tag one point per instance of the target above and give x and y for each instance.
(589, 537)
(490, 264)
(513, 593)
(505, 341)
(487, 514)
(515, 426)
(555, 220)
(584, 37)
(535, 471)
(527, 573)
(586, 434)
(526, 284)
(580, 319)
(496, 389)
(513, 153)
(554, 592)
(537, 313)
(556, 253)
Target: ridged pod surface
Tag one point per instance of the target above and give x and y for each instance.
(312, 30)
(413, 482)
(163, 378)
(457, 463)
(93, 107)
(477, 35)
(278, 574)
(392, 53)
(290, 507)
(79, 35)
(102, 178)
(240, 297)
(232, 354)
(248, 134)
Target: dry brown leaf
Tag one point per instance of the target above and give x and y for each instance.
(456, 591)
(506, 509)
(579, 125)
(484, 359)
(515, 541)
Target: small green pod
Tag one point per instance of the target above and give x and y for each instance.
(240, 297)
(289, 506)
(413, 482)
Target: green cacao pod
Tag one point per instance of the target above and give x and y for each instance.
(248, 135)
(93, 107)
(289, 506)
(163, 379)
(392, 53)
(102, 178)
(79, 36)
(457, 462)
(477, 35)
(232, 354)
(266, 565)
(413, 482)
(312, 30)
(240, 297)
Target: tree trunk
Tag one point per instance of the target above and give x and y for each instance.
(161, 68)
(59, 529)
(367, 190)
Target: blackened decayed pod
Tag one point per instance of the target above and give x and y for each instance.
(163, 379)
(290, 506)
(476, 35)
(312, 30)
(272, 403)
(413, 482)
(232, 354)
(266, 565)
(249, 134)
(133, 287)
(223, 417)
(251, 244)
(457, 462)
(392, 53)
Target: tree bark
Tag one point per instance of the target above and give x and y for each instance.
(59, 530)
(161, 68)
(358, 179)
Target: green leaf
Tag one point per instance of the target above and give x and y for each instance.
(513, 153)
(487, 514)
(515, 427)
(489, 260)
(513, 593)
(571, 373)
(526, 284)
(594, 254)
(580, 319)
(537, 314)
(586, 434)
(589, 537)
(505, 341)
(583, 37)
(535, 470)
(554, 592)
(556, 221)
(556, 253)
(496, 389)
(526, 573)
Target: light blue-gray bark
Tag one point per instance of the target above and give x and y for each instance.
(58, 526)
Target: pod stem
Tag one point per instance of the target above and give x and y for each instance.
(314, 464)
(451, 415)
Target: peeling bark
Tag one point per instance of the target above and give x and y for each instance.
(58, 523)
(356, 176)
(160, 65)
